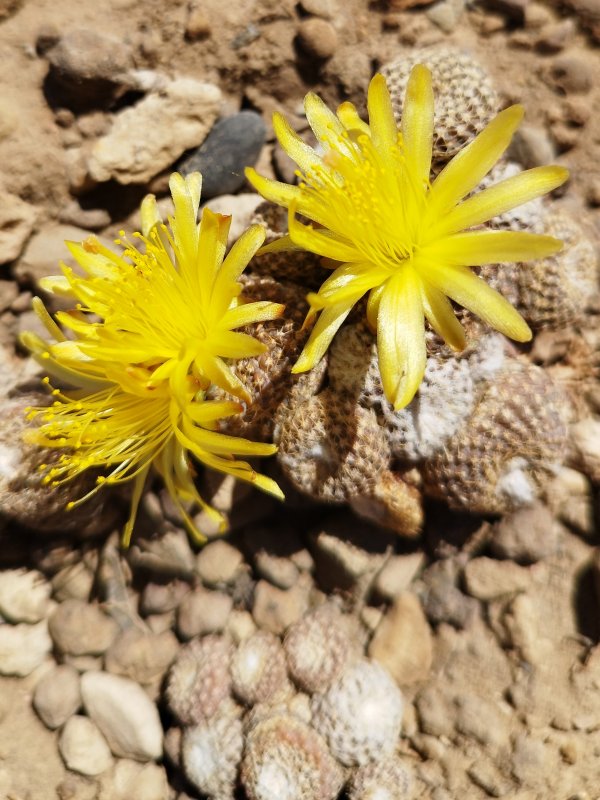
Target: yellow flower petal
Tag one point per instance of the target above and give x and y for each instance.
(417, 121)
(400, 338)
(348, 116)
(258, 311)
(382, 123)
(320, 338)
(476, 248)
(501, 197)
(473, 293)
(440, 315)
(473, 162)
(323, 242)
(324, 123)
(300, 152)
(275, 191)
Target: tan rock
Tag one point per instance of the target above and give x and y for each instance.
(486, 578)
(403, 641)
(17, 219)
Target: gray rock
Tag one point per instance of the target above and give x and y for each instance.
(57, 696)
(233, 143)
(83, 747)
(80, 629)
(24, 595)
(532, 147)
(125, 714)
(23, 648)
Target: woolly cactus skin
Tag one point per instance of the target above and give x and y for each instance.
(332, 449)
(211, 753)
(383, 780)
(506, 451)
(258, 669)
(318, 648)
(285, 759)
(360, 715)
(199, 681)
(465, 98)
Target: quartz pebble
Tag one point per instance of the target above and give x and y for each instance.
(24, 596)
(83, 747)
(23, 648)
(57, 695)
(124, 713)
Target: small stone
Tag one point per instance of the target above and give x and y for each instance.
(397, 574)
(532, 147)
(572, 74)
(92, 219)
(165, 556)
(529, 760)
(83, 747)
(179, 116)
(143, 657)
(327, 9)
(487, 579)
(132, 781)
(436, 712)
(526, 536)
(198, 25)
(577, 111)
(240, 625)
(586, 439)
(481, 719)
(232, 144)
(23, 648)
(537, 15)
(588, 14)
(343, 557)
(317, 38)
(72, 582)
(488, 777)
(159, 598)
(281, 572)
(124, 713)
(202, 612)
(217, 563)
(17, 220)
(556, 37)
(569, 496)
(77, 787)
(275, 609)
(513, 9)
(403, 642)
(24, 595)
(447, 14)
(79, 629)
(57, 696)
(87, 66)
(443, 601)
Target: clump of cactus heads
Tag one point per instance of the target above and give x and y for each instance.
(360, 715)
(465, 100)
(509, 447)
(199, 680)
(389, 779)
(285, 759)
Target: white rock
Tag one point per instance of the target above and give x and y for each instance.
(23, 648)
(24, 595)
(133, 781)
(57, 695)
(151, 135)
(83, 747)
(124, 713)
(17, 219)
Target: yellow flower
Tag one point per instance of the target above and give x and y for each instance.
(150, 332)
(405, 240)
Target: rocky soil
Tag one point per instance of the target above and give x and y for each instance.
(463, 663)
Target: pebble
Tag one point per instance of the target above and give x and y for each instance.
(554, 38)
(327, 9)
(83, 747)
(124, 713)
(403, 643)
(572, 74)
(593, 198)
(24, 595)
(317, 38)
(482, 719)
(240, 625)
(487, 578)
(197, 25)
(142, 657)
(17, 220)
(532, 146)
(341, 559)
(529, 759)
(202, 612)
(513, 9)
(92, 219)
(133, 781)
(87, 66)
(275, 609)
(179, 116)
(81, 629)
(586, 439)
(526, 536)
(569, 496)
(159, 598)
(435, 711)
(447, 14)
(588, 13)
(487, 776)
(46, 250)
(443, 601)
(57, 696)
(278, 570)
(72, 582)
(217, 563)
(165, 556)
(397, 574)
(232, 144)
(23, 648)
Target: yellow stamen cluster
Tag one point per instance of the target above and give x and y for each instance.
(405, 240)
(150, 331)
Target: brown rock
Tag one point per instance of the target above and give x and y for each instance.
(143, 657)
(80, 629)
(486, 578)
(202, 612)
(317, 38)
(275, 609)
(526, 536)
(17, 219)
(403, 643)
